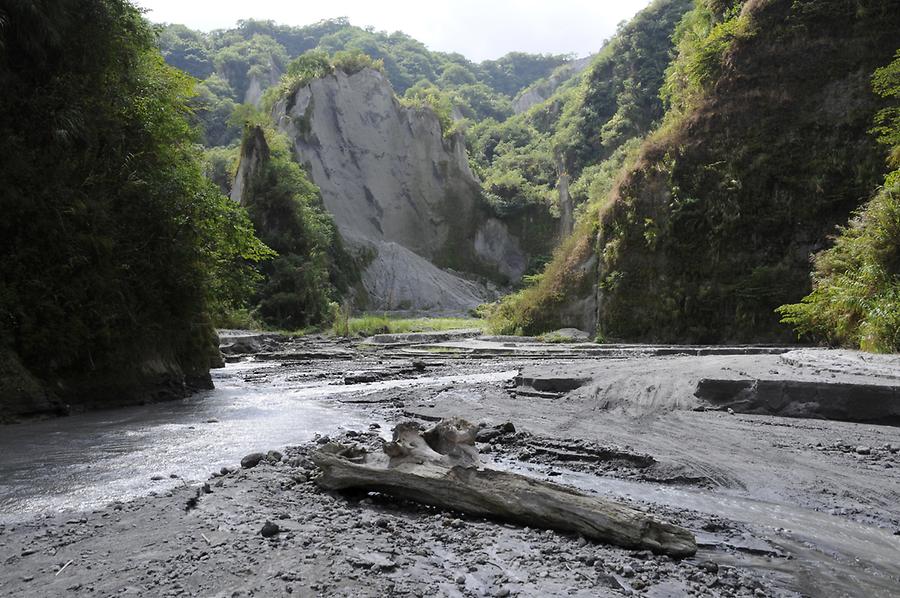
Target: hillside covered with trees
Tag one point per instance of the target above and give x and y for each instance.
(235, 66)
(117, 250)
(765, 148)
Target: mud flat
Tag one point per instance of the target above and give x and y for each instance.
(835, 385)
(780, 506)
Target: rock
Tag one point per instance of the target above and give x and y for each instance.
(709, 567)
(486, 434)
(542, 89)
(241, 346)
(273, 456)
(418, 365)
(390, 178)
(21, 393)
(269, 529)
(863, 450)
(361, 377)
(372, 560)
(157, 477)
(252, 460)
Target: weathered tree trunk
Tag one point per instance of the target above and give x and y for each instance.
(437, 468)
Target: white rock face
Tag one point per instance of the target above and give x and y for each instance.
(543, 89)
(398, 279)
(396, 186)
(496, 245)
(258, 84)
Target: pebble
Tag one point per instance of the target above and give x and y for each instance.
(269, 529)
(252, 460)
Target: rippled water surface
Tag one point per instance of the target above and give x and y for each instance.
(87, 460)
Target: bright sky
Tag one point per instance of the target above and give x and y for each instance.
(478, 29)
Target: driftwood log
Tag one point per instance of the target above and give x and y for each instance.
(440, 467)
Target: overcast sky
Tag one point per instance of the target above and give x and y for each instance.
(478, 29)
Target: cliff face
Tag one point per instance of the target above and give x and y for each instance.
(542, 90)
(713, 227)
(399, 191)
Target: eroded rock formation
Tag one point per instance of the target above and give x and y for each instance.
(400, 191)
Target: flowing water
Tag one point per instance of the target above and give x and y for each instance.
(88, 460)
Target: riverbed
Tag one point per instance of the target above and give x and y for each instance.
(780, 506)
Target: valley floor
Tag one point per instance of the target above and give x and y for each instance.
(780, 506)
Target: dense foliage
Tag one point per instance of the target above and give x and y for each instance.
(115, 246)
(311, 270)
(236, 65)
(763, 150)
(766, 149)
(856, 284)
(588, 129)
(585, 122)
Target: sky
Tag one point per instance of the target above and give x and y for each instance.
(478, 29)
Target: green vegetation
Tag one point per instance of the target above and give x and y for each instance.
(369, 325)
(757, 161)
(856, 284)
(585, 123)
(311, 269)
(237, 64)
(706, 229)
(314, 65)
(590, 128)
(115, 247)
(540, 306)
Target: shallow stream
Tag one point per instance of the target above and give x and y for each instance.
(88, 460)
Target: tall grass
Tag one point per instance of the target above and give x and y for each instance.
(370, 324)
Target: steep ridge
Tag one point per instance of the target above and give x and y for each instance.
(571, 148)
(400, 192)
(541, 91)
(764, 149)
(713, 228)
